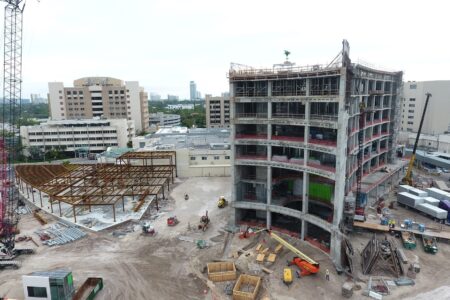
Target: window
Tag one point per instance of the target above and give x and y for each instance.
(411, 111)
(410, 117)
(410, 123)
(227, 157)
(204, 158)
(412, 99)
(413, 86)
(38, 292)
(412, 105)
(216, 157)
(192, 157)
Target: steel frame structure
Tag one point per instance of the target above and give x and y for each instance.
(104, 184)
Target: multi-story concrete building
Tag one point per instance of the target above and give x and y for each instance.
(94, 135)
(162, 119)
(99, 97)
(193, 90)
(437, 118)
(295, 143)
(217, 111)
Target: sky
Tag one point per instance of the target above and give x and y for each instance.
(164, 44)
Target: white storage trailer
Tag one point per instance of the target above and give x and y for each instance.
(409, 199)
(432, 211)
(432, 201)
(412, 190)
(438, 194)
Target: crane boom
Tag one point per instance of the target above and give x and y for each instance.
(292, 248)
(407, 179)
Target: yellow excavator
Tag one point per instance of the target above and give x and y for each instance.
(222, 202)
(408, 176)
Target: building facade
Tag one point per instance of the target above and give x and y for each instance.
(295, 142)
(99, 97)
(192, 90)
(217, 111)
(437, 119)
(70, 135)
(162, 119)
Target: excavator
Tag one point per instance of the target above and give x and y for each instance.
(306, 264)
(408, 176)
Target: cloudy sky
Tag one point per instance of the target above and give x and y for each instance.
(166, 43)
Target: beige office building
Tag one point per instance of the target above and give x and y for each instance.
(217, 111)
(99, 97)
(437, 119)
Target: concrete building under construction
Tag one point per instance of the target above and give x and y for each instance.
(296, 140)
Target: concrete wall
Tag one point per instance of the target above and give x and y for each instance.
(187, 167)
(436, 119)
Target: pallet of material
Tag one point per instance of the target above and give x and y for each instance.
(221, 271)
(372, 226)
(246, 287)
(260, 258)
(271, 258)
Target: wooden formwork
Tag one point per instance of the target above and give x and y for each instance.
(221, 271)
(246, 287)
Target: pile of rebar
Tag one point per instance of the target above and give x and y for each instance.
(60, 234)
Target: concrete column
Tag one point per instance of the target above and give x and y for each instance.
(305, 202)
(308, 86)
(269, 196)
(341, 160)
(269, 153)
(233, 218)
(269, 89)
(306, 132)
(269, 109)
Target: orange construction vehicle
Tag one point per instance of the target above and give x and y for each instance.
(306, 264)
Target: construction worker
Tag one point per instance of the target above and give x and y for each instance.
(327, 275)
(186, 197)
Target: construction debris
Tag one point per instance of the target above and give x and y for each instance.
(38, 217)
(347, 289)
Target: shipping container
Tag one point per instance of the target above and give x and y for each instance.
(432, 211)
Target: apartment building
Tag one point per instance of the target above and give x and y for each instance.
(217, 111)
(437, 118)
(295, 142)
(69, 135)
(99, 97)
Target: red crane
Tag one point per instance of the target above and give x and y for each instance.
(12, 92)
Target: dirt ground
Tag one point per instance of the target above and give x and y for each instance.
(164, 267)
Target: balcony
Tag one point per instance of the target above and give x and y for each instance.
(288, 138)
(252, 156)
(318, 165)
(251, 115)
(288, 116)
(251, 136)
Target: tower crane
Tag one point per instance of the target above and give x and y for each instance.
(12, 92)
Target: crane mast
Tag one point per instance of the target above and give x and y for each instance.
(12, 90)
